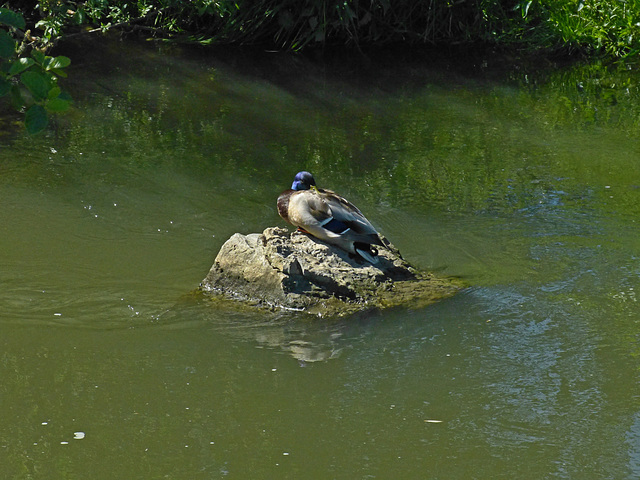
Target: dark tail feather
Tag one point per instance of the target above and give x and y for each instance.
(367, 252)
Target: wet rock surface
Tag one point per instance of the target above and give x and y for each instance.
(279, 269)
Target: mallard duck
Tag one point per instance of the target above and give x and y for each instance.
(329, 217)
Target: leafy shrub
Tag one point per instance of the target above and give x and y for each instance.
(588, 25)
(28, 76)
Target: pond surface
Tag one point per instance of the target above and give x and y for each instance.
(523, 181)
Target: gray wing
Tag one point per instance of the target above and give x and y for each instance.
(344, 211)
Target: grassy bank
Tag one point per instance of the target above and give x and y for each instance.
(608, 27)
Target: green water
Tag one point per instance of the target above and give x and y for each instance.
(524, 181)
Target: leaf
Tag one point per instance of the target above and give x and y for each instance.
(58, 105)
(55, 63)
(11, 18)
(60, 73)
(5, 86)
(79, 17)
(7, 45)
(38, 56)
(36, 119)
(54, 92)
(36, 83)
(21, 65)
(16, 97)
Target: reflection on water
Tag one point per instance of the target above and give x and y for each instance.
(303, 338)
(522, 181)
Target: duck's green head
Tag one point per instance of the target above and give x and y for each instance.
(303, 181)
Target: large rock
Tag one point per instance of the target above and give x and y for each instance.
(279, 269)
